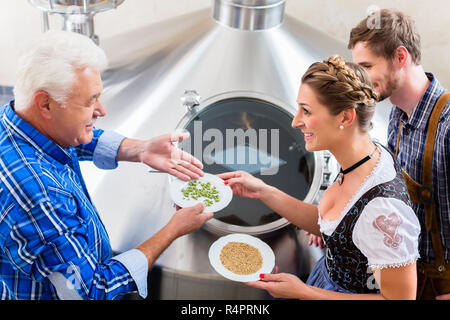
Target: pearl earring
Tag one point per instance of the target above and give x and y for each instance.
(341, 127)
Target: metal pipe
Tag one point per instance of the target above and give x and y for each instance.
(77, 15)
(251, 15)
(45, 23)
(85, 6)
(81, 23)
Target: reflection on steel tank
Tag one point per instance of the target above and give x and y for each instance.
(235, 66)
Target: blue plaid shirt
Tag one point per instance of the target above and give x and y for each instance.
(410, 157)
(48, 224)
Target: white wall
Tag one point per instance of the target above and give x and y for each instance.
(338, 17)
(20, 22)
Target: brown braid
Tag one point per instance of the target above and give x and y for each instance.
(343, 85)
(363, 92)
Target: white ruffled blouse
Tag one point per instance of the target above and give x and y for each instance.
(387, 230)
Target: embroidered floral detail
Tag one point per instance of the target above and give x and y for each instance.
(389, 226)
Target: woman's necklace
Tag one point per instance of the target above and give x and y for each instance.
(340, 176)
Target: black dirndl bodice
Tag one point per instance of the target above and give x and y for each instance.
(345, 263)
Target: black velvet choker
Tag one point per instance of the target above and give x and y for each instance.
(340, 176)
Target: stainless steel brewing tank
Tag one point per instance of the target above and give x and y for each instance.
(150, 69)
(249, 131)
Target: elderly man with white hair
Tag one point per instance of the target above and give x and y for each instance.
(53, 242)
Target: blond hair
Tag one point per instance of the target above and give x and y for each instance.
(393, 29)
(341, 85)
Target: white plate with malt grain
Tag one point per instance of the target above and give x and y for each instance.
(209, 189)
(241, 257)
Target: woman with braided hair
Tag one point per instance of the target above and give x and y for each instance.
(364, 217)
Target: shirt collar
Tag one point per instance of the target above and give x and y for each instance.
(422, 112)
(33, 136)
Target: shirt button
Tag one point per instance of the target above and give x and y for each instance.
(405, 131)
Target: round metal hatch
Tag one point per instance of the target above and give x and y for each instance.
(251, 132)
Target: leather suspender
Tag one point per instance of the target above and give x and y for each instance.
(423, 193)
